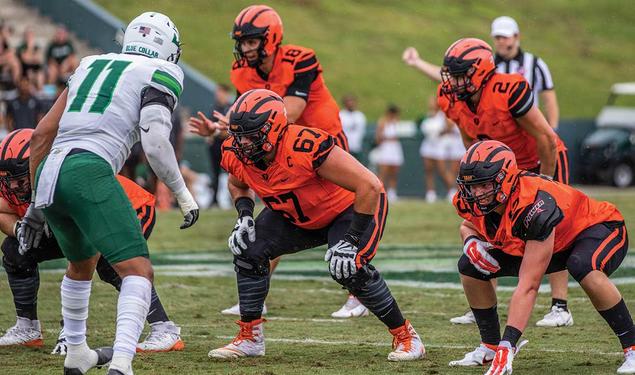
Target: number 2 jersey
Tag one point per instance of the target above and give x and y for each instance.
(534, 209)
(104, 102)
(504, 98)
(296, 72)
(290, 184)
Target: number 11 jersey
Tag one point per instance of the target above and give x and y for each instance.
(290, 185)
(104, 102)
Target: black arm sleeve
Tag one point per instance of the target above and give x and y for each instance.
(301, 85)
(539, 219)
(150, 95)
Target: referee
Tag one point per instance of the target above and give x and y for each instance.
(509, 58)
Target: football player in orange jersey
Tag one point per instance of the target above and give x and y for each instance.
(315, 193)
(294, 73)
(521, 224)
(489, 105)
(22, 270)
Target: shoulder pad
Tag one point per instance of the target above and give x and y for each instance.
(537, 221)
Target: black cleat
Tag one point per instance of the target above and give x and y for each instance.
(114, 372)
(104, 355)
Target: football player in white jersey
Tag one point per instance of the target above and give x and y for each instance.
(112, 101)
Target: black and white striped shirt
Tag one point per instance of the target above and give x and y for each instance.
(532, 67)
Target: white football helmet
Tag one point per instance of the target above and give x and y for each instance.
(154, 35)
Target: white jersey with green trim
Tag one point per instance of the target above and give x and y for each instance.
(104, 102)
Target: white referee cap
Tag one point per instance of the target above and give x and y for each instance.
(504, 26)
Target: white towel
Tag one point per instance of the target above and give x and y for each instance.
(48, 177)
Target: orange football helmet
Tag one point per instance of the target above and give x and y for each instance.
(256, 122)
(467, 65)
(258, 21)
(487, 162)
(15, 184)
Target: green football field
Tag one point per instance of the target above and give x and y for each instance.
(194, 277)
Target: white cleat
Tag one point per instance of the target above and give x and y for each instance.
(628, 367)
(60, 346)
(163, 337)
(557, 317)
(235, 310)
(25, 332)
(481, 355)
(406, 344)
(250, 342)
(351, 309)
(467, 318)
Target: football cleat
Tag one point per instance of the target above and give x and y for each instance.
(406, 344)
(60, 346)
(25, 332)
(481, 355)
(467, 318)
(235, 310)
(81, 363)
(628, 366)
(351, 309)
(163, 337)
(557, 317)
(250, 342)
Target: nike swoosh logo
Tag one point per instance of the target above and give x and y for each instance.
(145, 130)
(298, 93)
(284, 179)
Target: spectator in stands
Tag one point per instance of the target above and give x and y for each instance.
(9, 68)
(31, 59)
(353, 124)
(389, 154)
(441, 151)
(25, 111)
(60, 57)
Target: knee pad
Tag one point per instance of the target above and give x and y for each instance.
(13, 262)
(251, 267)
(107, 273)
(361, 278)
(579, 266)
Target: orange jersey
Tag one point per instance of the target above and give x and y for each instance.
(504, 97)
(537, 206)
(290, 184)
(291, 66)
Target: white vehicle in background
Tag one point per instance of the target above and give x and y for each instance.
(608, 153)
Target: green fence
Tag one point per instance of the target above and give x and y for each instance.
(411, 175)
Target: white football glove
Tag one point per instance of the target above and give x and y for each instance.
(502, 363)
(476, 252)
(60, 346)
(244, 225)
(342, 260)
(30, 229)
(188, 206)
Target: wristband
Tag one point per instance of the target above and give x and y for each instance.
(471, 237)
(511, 334)
(358, 226)
(245, 206)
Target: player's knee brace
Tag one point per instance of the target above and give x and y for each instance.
(251, 267)
(360, 279)
(579, 265)
(13, 262)
(108, 274)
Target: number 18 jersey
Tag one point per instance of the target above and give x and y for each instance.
(104, 102)
(290, 185)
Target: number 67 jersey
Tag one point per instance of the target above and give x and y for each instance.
(290, 185)
(104, 102)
